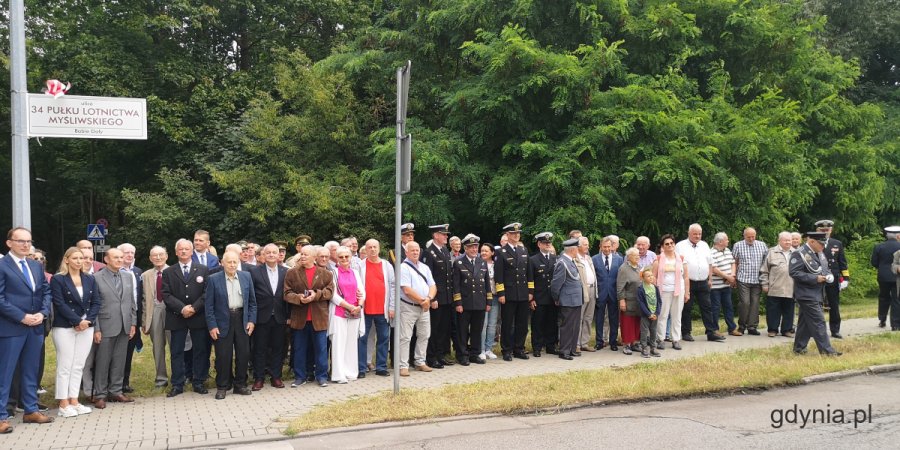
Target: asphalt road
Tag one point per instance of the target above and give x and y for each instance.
(867, 407)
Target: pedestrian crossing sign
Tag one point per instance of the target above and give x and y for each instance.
(96, 232)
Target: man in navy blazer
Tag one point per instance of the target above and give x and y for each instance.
(24, 303)
(606, 265)
(201, 252)
(231, 317)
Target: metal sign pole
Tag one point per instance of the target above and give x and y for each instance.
(21, 178)
(402, 178)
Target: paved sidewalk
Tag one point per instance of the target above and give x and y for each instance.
(192, 420)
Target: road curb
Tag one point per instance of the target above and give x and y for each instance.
(831, 376)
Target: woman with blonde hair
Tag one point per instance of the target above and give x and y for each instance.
(76, 303)
(345, 325)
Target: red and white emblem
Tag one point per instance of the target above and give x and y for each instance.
(56, 88)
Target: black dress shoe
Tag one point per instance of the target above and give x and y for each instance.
(715, 338)
(243, 390)
(600, 346)
(566, 357)
(464, 362)
(552, 351)
(175, 391)
(520, 355)
(436, 365)
(200, 389)
(801, 351)
(476, 359)
(575, 353)
(220, 394)
(361, 375)
(688, 338)
(614, 347)
(536, 353)
(835, 353)
(753, 331)
(127, 389)
(507, 357)
(837, 335)
(382, 373)
(446, 362)
(881, 324)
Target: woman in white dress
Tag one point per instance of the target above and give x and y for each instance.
(345, 325)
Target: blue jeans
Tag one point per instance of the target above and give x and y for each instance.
(490, 326)
(611, 307)
(302, 340)
(779, 311)
(721, 299)
(382, 333)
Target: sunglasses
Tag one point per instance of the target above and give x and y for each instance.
(666, 244)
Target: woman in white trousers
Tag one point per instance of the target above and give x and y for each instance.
(345, 325)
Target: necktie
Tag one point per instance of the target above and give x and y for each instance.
(27, 274)
(185, 272)
(118, 282)
(159, 297)
(606, 262)
(203, 258)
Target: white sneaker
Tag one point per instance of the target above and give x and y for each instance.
(68, 411)
(490, 354)
(81, 409)
(41, 390)
(482, 356)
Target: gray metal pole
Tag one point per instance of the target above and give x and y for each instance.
(21, 180)
(398, 211)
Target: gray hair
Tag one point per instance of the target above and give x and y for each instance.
(232, 248)
(612, 237)
(632, 251)
(784, 234)
(695, 226)
(184, 241)
(719, 237)
(159, 247)
(126, 246)
(331, 244)
(607, 239)
(796, 234)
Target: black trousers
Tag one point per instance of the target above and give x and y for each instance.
(469, 325)
(199, 360)
(129, 355)
(439, 342)
(267, 344)
(887, 292)
(833, 300)
(545, 327)
(569, 329)
(232, 347)
(514, 326)
(700, 296)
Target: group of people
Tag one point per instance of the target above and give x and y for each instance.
(257, 308)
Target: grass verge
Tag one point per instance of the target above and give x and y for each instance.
(746, 369)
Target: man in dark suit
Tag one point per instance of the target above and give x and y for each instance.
(837, 265)
(201, 252)
(437, 257)
(268, 337)
(472, 297)
(566, 289)
(135, 343)
(515, 291)
(544, 321)
(606, 265)
(230, 316)
(24, 303)
(882, 257)
(115, 326)
(808, 268)
(184, 289)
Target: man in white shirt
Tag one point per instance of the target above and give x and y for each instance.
(697, 256)
(417, 290)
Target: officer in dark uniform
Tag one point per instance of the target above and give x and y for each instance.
(407, 233)
(438, 259)
(882, 258)
(809, 270)
(837, 264)
(515, 291)
(544, 321)
(472, 297)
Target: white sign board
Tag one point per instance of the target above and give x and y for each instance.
(74, 116)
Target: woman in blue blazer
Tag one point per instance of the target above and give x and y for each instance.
(76, 302)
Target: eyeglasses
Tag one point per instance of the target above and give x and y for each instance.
(21, 241)
(668, 244)
(344, 257)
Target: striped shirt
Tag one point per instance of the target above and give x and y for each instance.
(722, 260)
(749, 259)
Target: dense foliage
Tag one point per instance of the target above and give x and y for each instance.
(269, 118)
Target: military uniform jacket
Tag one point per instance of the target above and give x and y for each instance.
(441, 264)
(805, 268)
(471, 284)
(883, 257)
(542, 269)
(179, 292)
(837, 261)
(512, 274)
